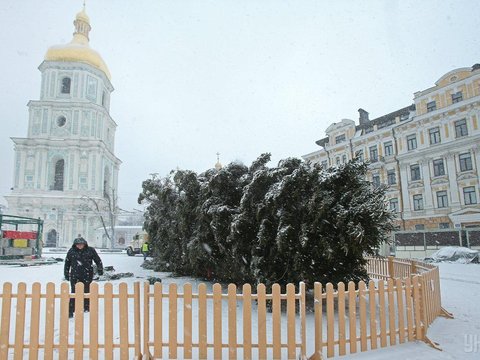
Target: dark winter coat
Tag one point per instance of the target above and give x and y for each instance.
(78, 264)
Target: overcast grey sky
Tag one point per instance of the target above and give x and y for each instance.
(240, 77)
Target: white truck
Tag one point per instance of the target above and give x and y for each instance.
(135, 246)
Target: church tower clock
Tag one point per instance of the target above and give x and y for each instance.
(67, 162)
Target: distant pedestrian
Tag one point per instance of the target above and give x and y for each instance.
(78, 268)
(145, 249)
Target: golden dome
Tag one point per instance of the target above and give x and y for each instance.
(78, 49)
(77, 52)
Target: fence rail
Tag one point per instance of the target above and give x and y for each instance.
(397, 305)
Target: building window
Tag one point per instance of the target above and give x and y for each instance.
(388, 148)
(91, 88)
(461, 128)
(359, 155)
(404, 116)
(457, 97)
(469, 195)
(61, 121)
(431, 106)
(420, 227)
(344, 159)
(412, 142)
(66, 81)
(434, 135)
(337, 160)
(391, 178)
(104, 98)
(415, 172)
(465, 162)
(373, 153)
(339, 139)
(376, 180)
(58, 177)
(394, 205)
(324, 164)
(444, 225)
(442, 199)
(417, 202)
(438, 167)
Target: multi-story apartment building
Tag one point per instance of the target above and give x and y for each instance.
(428, 153)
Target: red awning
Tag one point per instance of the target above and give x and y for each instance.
(12, 234)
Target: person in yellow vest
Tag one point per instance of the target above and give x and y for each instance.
(145, 249)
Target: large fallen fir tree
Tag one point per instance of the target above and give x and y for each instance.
(290, 223)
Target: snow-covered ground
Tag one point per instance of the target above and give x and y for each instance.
(459, 338)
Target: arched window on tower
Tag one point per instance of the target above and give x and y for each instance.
(106, 182)
(58, 178)
(66, 81)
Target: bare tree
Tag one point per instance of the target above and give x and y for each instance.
(106, 209)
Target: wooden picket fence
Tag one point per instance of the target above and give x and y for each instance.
(49, 332)
(429, 280)
(110, 337)
(248, 346)
(397, 307)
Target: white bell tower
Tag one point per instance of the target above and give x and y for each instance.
(67, 164)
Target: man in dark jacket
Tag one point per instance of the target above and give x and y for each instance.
(78, 268)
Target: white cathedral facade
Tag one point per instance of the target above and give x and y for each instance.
(67, 163)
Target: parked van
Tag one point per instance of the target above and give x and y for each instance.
(138, 240)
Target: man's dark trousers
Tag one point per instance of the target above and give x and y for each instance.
(86, 302)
